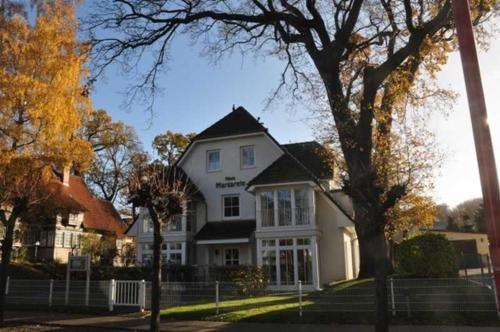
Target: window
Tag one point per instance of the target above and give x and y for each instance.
(247, 156)
(269, 264)
(175, 259)
(175, 246)
(304, 264)
(147, 259)
(231, 256)
(301, 207)
(147, 224)
(286, 267)
(73, 219)
(284, 207)
(231, 206)
(267, 208)
(213, 160)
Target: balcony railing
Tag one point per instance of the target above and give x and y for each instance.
(301, 214)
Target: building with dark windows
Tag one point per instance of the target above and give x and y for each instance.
(260, 203)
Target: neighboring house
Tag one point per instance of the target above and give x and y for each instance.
(263, 203)
(70, 213)
(467, 243)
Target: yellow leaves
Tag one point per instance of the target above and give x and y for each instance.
(41, 71)
(41, 104)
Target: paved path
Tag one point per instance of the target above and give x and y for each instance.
(137, 322)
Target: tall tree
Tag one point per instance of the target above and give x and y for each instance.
(164, 191)
(170, 145)
(41, 105)
(367, 58)
(115, 145)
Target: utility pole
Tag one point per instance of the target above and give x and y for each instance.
(481, 131)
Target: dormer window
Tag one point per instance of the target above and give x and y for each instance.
(73, 219)
(213, 161)
(247, 156)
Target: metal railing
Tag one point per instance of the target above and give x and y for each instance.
(406, 296)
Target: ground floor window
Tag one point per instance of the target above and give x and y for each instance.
(287, 260)
(231, 256)
(171, 253)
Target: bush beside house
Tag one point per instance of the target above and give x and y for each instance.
(427, 255)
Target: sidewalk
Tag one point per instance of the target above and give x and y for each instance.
(136, 322)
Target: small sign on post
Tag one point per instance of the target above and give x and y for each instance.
(78, 263)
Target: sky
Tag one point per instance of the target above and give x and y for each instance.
(196, 93)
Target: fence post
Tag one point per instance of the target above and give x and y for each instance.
(216, 297)
(51, 288)
(488, 263)
(7, 284)
(142, 294)
(495, 294)
(393, 304)
(408, 308)
(300, 298)
(111, 297)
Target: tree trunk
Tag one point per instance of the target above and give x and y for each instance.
(378, 250)
(154, 325)
(6, 253)
(366, 263)
(374, 258)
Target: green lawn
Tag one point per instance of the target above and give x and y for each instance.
(348, 302)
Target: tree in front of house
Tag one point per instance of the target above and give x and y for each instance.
(102, 249)
(170, 145)
(42, 101)
(114, 145)
(369, 61)
(164, 191)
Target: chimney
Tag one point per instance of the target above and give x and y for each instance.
(66, 174)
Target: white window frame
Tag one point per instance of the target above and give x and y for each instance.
(224, 207)
(208, 161)
(242, 164)
(147, 224)
(232, 260)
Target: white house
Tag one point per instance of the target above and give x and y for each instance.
(261, 203)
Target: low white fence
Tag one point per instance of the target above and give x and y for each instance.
(406, 296)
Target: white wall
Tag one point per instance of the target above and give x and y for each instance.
(333, 266)
(194, 164)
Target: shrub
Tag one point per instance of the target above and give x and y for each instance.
(427, 255)
(249, 279)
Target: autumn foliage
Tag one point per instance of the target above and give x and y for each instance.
(42, 102)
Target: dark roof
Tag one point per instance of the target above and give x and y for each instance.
(305, 161)
(284, 169)
(221, 230)
(238, 122)
(313, 156)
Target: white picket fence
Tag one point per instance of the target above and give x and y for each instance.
(101, 293)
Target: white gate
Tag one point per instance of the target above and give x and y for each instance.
(129, 293)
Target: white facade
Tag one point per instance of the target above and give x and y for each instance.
(299, 232)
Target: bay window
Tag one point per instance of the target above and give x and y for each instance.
(284, 207)
(286, 261)
(290, 206)
(267, 208)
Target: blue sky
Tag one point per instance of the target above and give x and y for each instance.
(197, 93)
